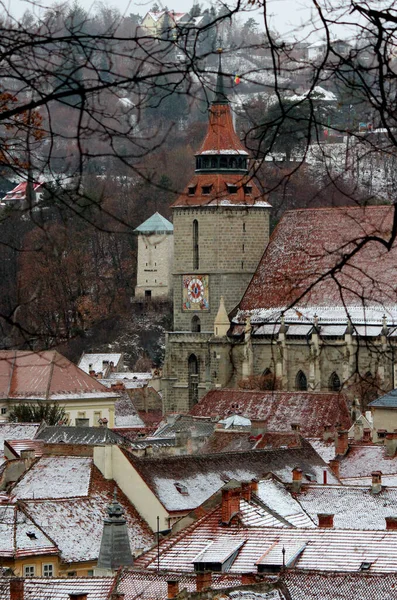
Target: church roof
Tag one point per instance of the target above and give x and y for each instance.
(312, 410)
(327, 257)
(221, 137)
(155, 224)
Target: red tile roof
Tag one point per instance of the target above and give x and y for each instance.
(305, 247)
(43, 375)
(304, 585)
(221, 135)
(218, 194)
(279, 409)
(16, 446)
(97, 588)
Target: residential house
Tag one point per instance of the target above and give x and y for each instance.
(101, 365)
(28, 377)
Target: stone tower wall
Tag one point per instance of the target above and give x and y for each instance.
(231, 243)
(155, 259)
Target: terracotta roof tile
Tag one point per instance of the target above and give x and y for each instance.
(278, 409)
(308, 243)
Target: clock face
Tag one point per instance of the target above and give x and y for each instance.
(195, 295)
(195, 290)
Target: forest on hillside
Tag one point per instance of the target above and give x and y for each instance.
(108, 114)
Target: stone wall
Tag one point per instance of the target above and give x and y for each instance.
(155, 259)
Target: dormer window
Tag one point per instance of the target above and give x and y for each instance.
(231, 188)
(182, 489)
(192, 190)
(206, 189)
(247, 190)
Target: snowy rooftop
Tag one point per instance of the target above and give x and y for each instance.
(19, 535)
(155, 224)
(55, 477)
(98, 362)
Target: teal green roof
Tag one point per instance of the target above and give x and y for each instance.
(155, 224)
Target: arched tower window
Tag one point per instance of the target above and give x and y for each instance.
(334, 382)
(196, 325)
(268, 380)
(301, 381)
(195, 244)
(193, 379)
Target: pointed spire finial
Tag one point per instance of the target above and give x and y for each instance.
(220, 95)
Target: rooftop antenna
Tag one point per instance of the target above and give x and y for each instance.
(158, 544)
(283, 551)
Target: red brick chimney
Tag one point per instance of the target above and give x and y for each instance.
(326, 521)
(376, 482)
(342, 442)
(78, 596)
(295, 426)
(203, 580)
(173, 588)
(296, 480)
(246, 490)
(334, 466)
(16, 589)
(248, 578)
(230, 504)
(254, 486)
(391, 523)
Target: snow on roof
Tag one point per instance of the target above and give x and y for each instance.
(280, 502)
(78, 435)
(317, 93)
(203, 475)
(348, 586)
(95, 362)
(312, 410)
(97, 588)
(307, 244)
(235, 421)
(76, 525)
(325, 449)
(219, 550)
(155, 224)
(20, 536)
(55, 477)
(361, 460)
(126, 414)
(315, 548)
(352, 507)
(16, 431)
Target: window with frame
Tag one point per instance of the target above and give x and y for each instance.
(3, 410)
(48, 570)
(28, 570)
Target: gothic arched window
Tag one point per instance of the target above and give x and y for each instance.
(301, 381)
(193, 379)
(196, 325)
(334, 382)
(195, 244)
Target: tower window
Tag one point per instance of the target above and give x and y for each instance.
(195, 244)
(192, 190)
(301, 381)
(243, 247)
(196, 325)
(231, 188)
(334, 382)
(244, 227)
(247, 190)
(206, 189)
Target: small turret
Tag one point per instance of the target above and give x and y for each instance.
(115, 548)
(221, 323)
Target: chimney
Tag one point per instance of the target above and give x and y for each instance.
(16, 589)
(376, 482)
(342, 442)
(254, 486)
(295, 426)
(173, 588)
(28, 455)
(296, 480)
(203, 580)
(367, 435)
(92, 373)
(78, 596)
(325, 520)
(248, 578)
(334, 466)
(246, 490)
(230, 504)
(391, 523)
(391, 444)
(325, 476)
(358, 431)
(328, 433)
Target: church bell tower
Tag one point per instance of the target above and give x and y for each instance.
(221, 228)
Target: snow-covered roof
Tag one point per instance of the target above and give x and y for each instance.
(98, 362)
(235, 421)
(55, 477)
(16, 431)
(20, 536)
(97, 588)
